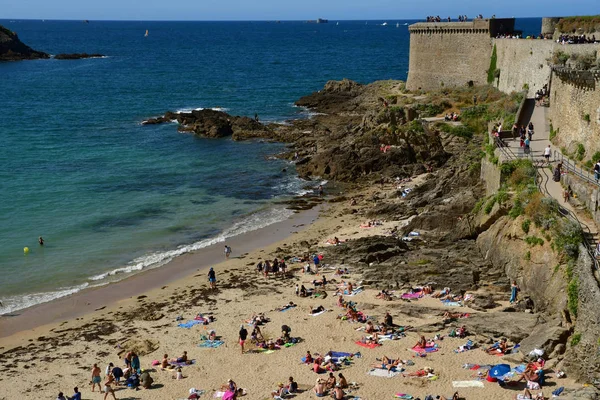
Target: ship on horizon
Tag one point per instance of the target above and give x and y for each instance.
(318, 21)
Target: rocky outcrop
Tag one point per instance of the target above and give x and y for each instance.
(76, 56)
(336, 96)
(214, 124)
(12, 49)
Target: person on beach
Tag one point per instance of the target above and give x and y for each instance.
(266, 269)
(165, 362)
(108, 370)
(61, 396)
(338, 393)
(212, 278)
(342, 382)
(108, 387)
(292, 387)
(41, 241)
(243, 335)
(319, 388)
(117, 373)
(227, 252)
(316, 261)
(96, 379)
(128, 359)
(135, 362)
(146, 380)
(76, 394)
(514, 289)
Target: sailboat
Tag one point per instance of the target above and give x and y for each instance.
(398, 25)
(337, 23)
(384, 24)
(146, 34)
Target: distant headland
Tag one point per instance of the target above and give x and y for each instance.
(12, 49)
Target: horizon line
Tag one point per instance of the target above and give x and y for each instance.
(236, 20)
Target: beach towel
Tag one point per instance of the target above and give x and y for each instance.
(383, 373)
(419, 349)
(367, 345)
(213, 344)
(319, 313)
(183, 364)
(189, 324)
(403, 396)
(451, 303)
(411, 295)
(467, 384)
(287, 308)
(218, 394)
(354, 292)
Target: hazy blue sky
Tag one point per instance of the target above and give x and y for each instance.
(285, 9)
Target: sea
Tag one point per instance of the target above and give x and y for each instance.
(111, 197)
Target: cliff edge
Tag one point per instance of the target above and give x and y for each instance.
(12, 49)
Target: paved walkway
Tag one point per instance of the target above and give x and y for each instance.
(539, 141)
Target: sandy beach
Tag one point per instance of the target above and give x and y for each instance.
(57, 343)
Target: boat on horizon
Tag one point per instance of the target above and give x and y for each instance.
(384, 24)
(146, 34)
(398, 25)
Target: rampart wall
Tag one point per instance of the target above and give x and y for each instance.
(452, 53)
(575, 109)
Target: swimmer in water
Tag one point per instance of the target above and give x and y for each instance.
(41, 241)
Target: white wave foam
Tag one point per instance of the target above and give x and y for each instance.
(15, 303)
(189, 110)
(251, 223)
(158, 259)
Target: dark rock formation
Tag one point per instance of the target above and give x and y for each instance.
(214, 124)
(12, 49)
(76, 56)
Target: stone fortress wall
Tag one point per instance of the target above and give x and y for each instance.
(450, 54)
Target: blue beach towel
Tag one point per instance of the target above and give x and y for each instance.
(189, 324)
(213, 344)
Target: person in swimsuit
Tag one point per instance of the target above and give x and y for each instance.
(227, 252)
(165, 362)
(108, 387)
(319, 388)
(41, 241)
(243, 335)
(342, 382)
(338, 393)
(421, 343)
(96, 379)
(212, 278)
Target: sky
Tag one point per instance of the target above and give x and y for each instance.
(214, 10)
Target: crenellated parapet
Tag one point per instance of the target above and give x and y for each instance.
(452, 53)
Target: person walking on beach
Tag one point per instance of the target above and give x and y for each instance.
(212, 278)
(96, 379)
(108, 387)
(227, 252)
(243, 336)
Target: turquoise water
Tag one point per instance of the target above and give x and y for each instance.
(112, 197)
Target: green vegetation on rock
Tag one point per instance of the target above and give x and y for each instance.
(493, 66)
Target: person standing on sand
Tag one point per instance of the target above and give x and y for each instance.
(316, 261)
(227, 252)
(108, 387)
(243, 336)
(212, 278)
(96, 379)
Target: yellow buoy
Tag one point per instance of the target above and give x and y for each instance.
(26, 250)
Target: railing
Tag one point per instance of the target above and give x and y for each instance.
(571, 167)
(541, 183)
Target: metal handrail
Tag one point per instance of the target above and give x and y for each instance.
(571, 166)
(590, 248)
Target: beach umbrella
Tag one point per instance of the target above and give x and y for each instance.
(498, 371)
